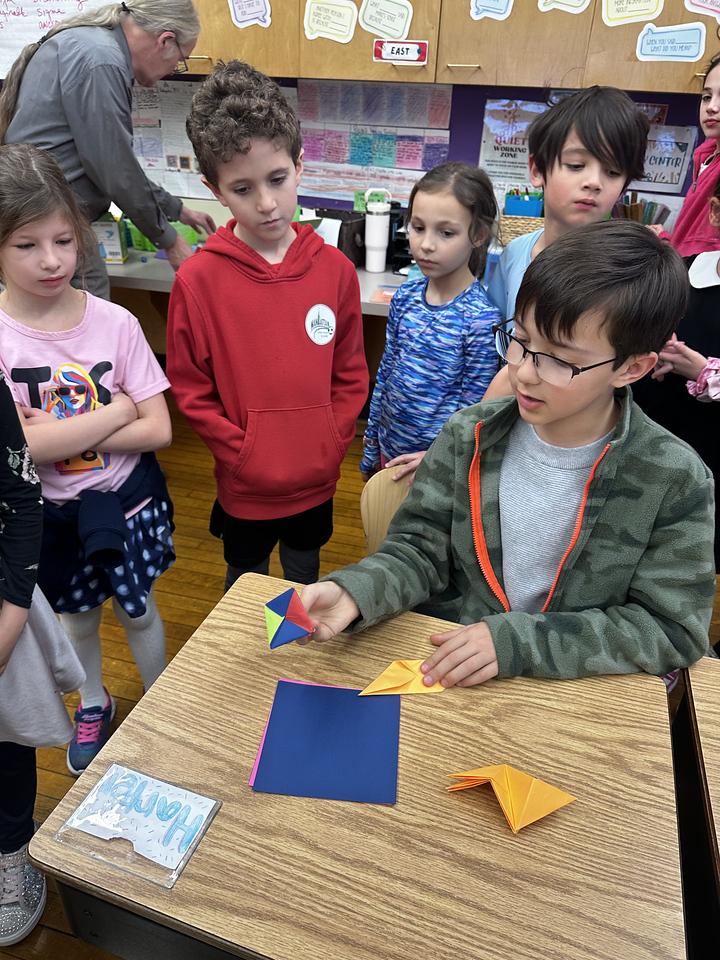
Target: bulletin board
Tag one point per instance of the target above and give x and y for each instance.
(25, 21)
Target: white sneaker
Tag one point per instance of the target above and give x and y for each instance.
(23, 892)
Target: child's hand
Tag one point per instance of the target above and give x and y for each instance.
(126, 405)
(465, 657)
(657, 228)
(410, 462)
(367, 474)
(331, 609)
(32, 415)
(677, 357)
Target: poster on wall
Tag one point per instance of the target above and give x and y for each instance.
(331, 19)
(504, 151)
(680, 43)
(389, 19)
(25, 21)
(617, 12)
(496, 9)
(667, 159)
(245, 13)
(711, 8)
(569, 6)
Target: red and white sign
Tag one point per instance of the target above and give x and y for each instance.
(407, 51)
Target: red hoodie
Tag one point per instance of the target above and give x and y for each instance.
(267, 363)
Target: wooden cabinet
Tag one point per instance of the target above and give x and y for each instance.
(529, 49)
(611, 57)
(273, 49)
(330, 60)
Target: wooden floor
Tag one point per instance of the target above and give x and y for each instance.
(185, 596)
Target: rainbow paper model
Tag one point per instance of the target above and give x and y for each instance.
(523, 798)
(286, 619)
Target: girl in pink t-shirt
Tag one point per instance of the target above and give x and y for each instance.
(89, 393)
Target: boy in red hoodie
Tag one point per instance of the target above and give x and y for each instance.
(265, 345)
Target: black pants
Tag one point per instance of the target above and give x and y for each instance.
(18, 788)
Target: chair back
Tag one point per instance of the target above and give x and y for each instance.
(379, 500)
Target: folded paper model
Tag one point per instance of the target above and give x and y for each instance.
(402, 676)
(286, 619)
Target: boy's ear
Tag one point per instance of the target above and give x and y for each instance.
(299, 165)
(715, 212)
(214, 190)
(635, 368)
(536, 178)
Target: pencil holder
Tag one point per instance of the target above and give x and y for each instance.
(523, 205)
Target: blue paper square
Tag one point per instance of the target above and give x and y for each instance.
(329, 743)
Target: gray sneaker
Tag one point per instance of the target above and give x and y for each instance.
(23, 892)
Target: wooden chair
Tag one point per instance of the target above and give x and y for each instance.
(379, 500)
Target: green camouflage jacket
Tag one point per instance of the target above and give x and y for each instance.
(634, 590)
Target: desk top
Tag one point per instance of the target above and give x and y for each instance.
(705, 703)
(157, 275)
(436, 875)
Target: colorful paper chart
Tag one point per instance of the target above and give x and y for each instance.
(286, 619)
(329, 743)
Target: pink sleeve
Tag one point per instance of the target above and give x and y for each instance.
(707, 386)
(142, 375)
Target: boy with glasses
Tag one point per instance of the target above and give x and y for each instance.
(569, 534)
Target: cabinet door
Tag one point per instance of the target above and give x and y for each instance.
(612, 55)
(330, 60)
(273, 49)
(529, 49)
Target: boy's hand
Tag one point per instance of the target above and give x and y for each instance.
(408, 463)
(465, 657)
(331, 609)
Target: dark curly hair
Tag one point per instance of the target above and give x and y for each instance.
(234, 106)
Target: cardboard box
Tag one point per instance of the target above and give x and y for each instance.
(111, 238)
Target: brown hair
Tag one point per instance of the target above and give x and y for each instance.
(473, 190)
(234, 106)
(33, 187)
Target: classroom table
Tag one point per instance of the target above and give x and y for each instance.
(703, 686)
(156, 275)
(438, 875)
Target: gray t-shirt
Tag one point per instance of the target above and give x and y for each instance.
(541, 489)
(76, 102)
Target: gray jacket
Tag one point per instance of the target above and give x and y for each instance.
(76, 102)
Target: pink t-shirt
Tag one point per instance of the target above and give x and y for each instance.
(71, 372)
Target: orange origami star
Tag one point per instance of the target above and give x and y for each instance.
(523, 798)
(402, 676)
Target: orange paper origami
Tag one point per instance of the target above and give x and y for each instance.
(402, 676)
(523, 798)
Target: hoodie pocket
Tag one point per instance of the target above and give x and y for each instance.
(288, 451)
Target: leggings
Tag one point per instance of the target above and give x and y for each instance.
(18, 787)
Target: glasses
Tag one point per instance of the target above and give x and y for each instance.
(559, 373)
(80, 389)
(181, 66)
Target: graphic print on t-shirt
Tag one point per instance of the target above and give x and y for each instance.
(73, 393)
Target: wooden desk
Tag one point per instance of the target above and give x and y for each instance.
(704, 694)
(438, 875)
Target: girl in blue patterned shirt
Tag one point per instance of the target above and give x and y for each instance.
(440, 352)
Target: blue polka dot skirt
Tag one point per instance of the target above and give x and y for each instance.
(149, 553)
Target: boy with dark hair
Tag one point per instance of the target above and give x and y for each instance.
(584, 151)
(265, 347)
(568, 532)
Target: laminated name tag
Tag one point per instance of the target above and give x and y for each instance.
(137, 823)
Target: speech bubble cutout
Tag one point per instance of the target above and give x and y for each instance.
(684, 42)
(569, 6)
(386, 18)
(245, 13)
(708, 7)
(497, 9)
(617, 12)
(331, 19)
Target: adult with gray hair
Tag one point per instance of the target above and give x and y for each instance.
(71, 94)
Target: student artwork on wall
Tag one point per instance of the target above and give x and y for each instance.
(245, 13)
(331, 19)
(617, 12)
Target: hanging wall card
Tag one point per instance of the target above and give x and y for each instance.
(245, 13)
(709, 7)
(331, 19)
(569, 6)
(387, 18)
(163, 822)
(496, 9)
(684, 42)
(617, 12)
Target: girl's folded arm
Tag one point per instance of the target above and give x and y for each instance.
(151, 431)
(50, 439)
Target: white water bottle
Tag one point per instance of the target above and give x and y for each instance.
(377, 231)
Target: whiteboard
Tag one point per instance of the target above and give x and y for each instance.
(25, 21)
